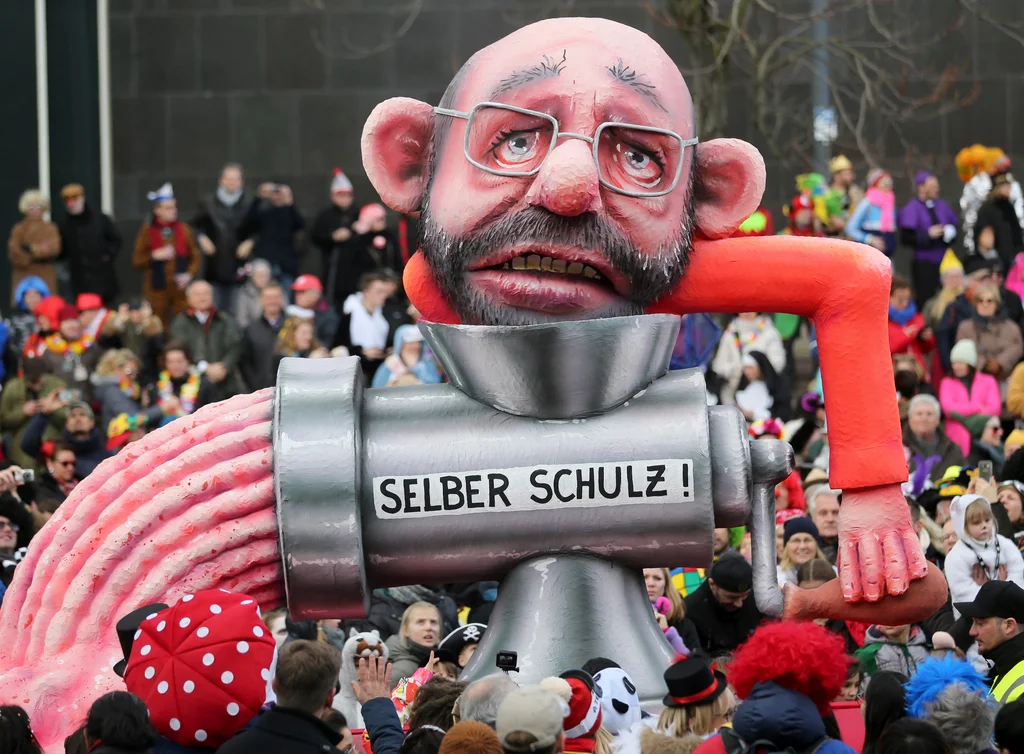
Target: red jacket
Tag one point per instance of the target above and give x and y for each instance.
(905, 340)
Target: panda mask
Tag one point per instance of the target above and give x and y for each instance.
(619, 699)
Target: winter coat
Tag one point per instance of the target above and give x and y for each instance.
(386, 612)
(881, 653)
(248, 308)
(902, 342)
(220, 223)
(90, 242)
(114, 402)
(1000, 215)
(23, 322)
(740, 338)
(257, 360)
(914, 221)
(996, 338)
(967, 552)
(983, 398)
(278, 730)
(276, 229)
(13, 420)
(947, 454)
(786, 718)
(26, 262)
(642, 738)
(381, 722)
(975, 194)
(720, 630)
(406, 657)
(89, 452)
(142, 260)
(218, 340)
(425, 369)
(74, 368)
(344, 262)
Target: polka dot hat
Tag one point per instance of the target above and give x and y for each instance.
(201, 666)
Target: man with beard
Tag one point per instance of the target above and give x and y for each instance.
(723, 608)
(559, 179)
(997, 615)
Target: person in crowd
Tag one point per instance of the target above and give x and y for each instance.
(961, 310)
(999, 214)
(997, 618)
(34, 245)
(899, 649)
(873, 220)
(802, 220)
(997, 338)
(90, 243)
(932, 452)
(980, 554)
(21, 400)
(530, 722)
(800, 543)
(584, 731)
(214, 340)
(248, 308)
(180, 389)
(434, 704)
(80, 433)
(305, 683)
(70, 353)
(722, 608)
(363, 328)
(748, 332)
(60, 476)
(928, 225)
(1009, 728)
(658, 582)
(843, 192)
(310, 305)
(297, 340)
(272, 231)
(337, 722)
(954, 696)
(136, 328)
(986, 255)
(373, 693)
(909, 736)
(986, 442)
(483, 698)
(118, 723)
(408, 358)
(908, 332)
(823, 505)
(259, 339)
(344, 262)
(815, 573)
(388, 606)
(418, 635)
(785, 693)
(1011, 497)
(470, 738)
(967, 392)
(375, 242)
(275, 621)
(758, 393)
(167, 255)
(98, 322)
(116, 387)
(952, 280)
(217, 223)
(47, 319)
(457, 648)
(16, 736)
(27, 297)
(885, 702)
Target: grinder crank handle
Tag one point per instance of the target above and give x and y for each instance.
(771, 462)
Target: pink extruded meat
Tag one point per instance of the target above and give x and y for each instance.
(188, 507)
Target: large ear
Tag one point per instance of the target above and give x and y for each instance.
(729, 186)
(396, 150)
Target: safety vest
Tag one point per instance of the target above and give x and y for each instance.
(1010, 686)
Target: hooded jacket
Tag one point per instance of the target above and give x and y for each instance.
(23, 322)
(882, 653)
(969, 552)
(425, 369)
(786, 718)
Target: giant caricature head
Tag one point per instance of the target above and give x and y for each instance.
(520, 225)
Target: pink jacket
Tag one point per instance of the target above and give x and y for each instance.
(984, 398)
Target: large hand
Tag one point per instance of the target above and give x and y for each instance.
(879, 553)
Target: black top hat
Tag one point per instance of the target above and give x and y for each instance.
(691, 681)
(452, 645)
(127, 628)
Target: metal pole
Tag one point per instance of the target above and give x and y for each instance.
(42, 99)
(103, 63)
(821, 100)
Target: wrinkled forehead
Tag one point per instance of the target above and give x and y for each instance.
(584, 68)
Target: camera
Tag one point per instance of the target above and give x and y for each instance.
(507, 661)
(68, 395)
(28, 475)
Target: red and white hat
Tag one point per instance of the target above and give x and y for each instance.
(580, 725)
(201, 666)
(340, 183)
(307, 282)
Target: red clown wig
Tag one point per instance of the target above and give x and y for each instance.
(798, 655)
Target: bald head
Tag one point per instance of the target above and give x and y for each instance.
(199, 296)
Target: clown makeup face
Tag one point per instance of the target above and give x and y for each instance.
(558, 179)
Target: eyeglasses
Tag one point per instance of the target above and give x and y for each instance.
(8, 525)
(64, 463)
(987, 301)
(637, 161)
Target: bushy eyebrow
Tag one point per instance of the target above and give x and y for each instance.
(636, 81)
(548, 66)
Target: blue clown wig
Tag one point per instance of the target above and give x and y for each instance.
(935, 676)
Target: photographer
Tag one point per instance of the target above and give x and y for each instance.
(20, 401)
(16, 526)
(80, 434)
(271, 232)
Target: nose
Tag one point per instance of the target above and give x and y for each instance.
(567, 183)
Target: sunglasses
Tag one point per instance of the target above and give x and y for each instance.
(64, 463)
(8, 525)
(987, 301)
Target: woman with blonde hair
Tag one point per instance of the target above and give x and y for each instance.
(801, 543)
(997, 338)
(660, 589)
(126, 411)
(34, 244)
(297, 339)
(417, 637)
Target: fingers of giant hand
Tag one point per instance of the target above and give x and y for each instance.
(917, 563)
(869, 548)
(849, 572)
(895, 563)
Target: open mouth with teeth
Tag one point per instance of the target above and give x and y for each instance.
(552, 281)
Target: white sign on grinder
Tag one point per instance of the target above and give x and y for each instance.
(527, 488)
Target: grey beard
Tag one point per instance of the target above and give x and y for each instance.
(651, 275)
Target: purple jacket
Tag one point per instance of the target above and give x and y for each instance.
(915, 219)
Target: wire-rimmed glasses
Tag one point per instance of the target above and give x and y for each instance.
(634, 160)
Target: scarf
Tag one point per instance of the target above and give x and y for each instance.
(159, 236)
(187, 396)
(902, 317)
(366, 329)
(886, 203)
(229, 200)
(56, 344)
